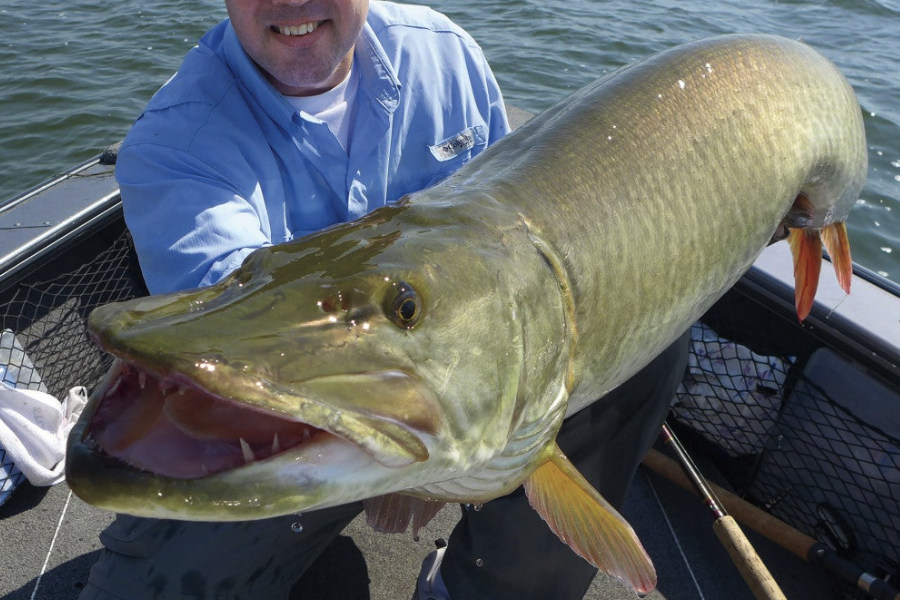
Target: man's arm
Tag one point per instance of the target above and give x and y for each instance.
(189, 223)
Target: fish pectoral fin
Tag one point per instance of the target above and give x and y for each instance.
(837, 244)
(392, 513)
(587, 523)
(806, 247)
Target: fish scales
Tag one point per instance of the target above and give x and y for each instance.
(717, 138)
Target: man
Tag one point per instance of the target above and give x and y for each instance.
(291, 116)
(223, 161)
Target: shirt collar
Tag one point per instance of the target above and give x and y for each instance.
(379, 77)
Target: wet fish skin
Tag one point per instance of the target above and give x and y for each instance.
(536, 279)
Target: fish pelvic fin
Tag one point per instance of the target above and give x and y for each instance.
(837, 245)
(587, 523)
(806, 247)
(393, 513)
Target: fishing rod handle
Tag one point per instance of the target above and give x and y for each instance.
(781, 533)
(795, 542)
(746, 559)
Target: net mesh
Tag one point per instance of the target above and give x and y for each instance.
(49, 319)
(811, 438)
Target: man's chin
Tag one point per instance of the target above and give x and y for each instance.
(309, 78)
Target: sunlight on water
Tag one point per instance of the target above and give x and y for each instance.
(77, 86)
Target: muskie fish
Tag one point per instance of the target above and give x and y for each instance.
(432, 348)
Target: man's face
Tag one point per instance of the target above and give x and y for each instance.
(304, 47)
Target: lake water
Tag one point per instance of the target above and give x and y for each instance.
(74, 76)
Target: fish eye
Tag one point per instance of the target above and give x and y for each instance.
(406, 307)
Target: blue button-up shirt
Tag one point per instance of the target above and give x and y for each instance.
(219, 163)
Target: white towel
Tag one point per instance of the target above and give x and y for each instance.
(34, 427)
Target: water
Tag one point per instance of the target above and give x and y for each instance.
(73, 77)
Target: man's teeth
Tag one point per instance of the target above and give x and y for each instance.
(297, 29)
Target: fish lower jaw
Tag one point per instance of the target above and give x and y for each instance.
(326, 472)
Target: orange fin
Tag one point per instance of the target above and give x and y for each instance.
(392, 513)
(587, 523)
(806, 246)
(837, 244)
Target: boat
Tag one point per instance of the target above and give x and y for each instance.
(799, 421)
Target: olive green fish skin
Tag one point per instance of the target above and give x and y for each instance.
(695, 156)
(550, 269)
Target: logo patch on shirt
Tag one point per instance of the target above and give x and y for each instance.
(461, 142)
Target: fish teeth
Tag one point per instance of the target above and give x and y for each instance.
(276, 446)
(248, 452)
(142, 380)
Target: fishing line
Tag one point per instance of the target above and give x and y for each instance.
(62, 517)
(835, 308)
(674, 535)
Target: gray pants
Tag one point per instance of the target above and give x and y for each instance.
(518, 556)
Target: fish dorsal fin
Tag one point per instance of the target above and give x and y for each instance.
(392, 513)
(587, 523)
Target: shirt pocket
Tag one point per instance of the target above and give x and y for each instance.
(453, 152)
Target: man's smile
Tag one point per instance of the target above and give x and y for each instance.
(296, 30)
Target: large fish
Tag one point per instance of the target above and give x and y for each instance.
(430, 351)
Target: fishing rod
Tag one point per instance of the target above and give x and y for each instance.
(742, 553)
(772, 528)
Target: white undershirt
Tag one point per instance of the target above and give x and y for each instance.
(334, 107)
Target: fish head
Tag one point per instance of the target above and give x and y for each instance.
(331, 369)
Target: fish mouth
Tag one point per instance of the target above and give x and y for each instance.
(174, 427)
